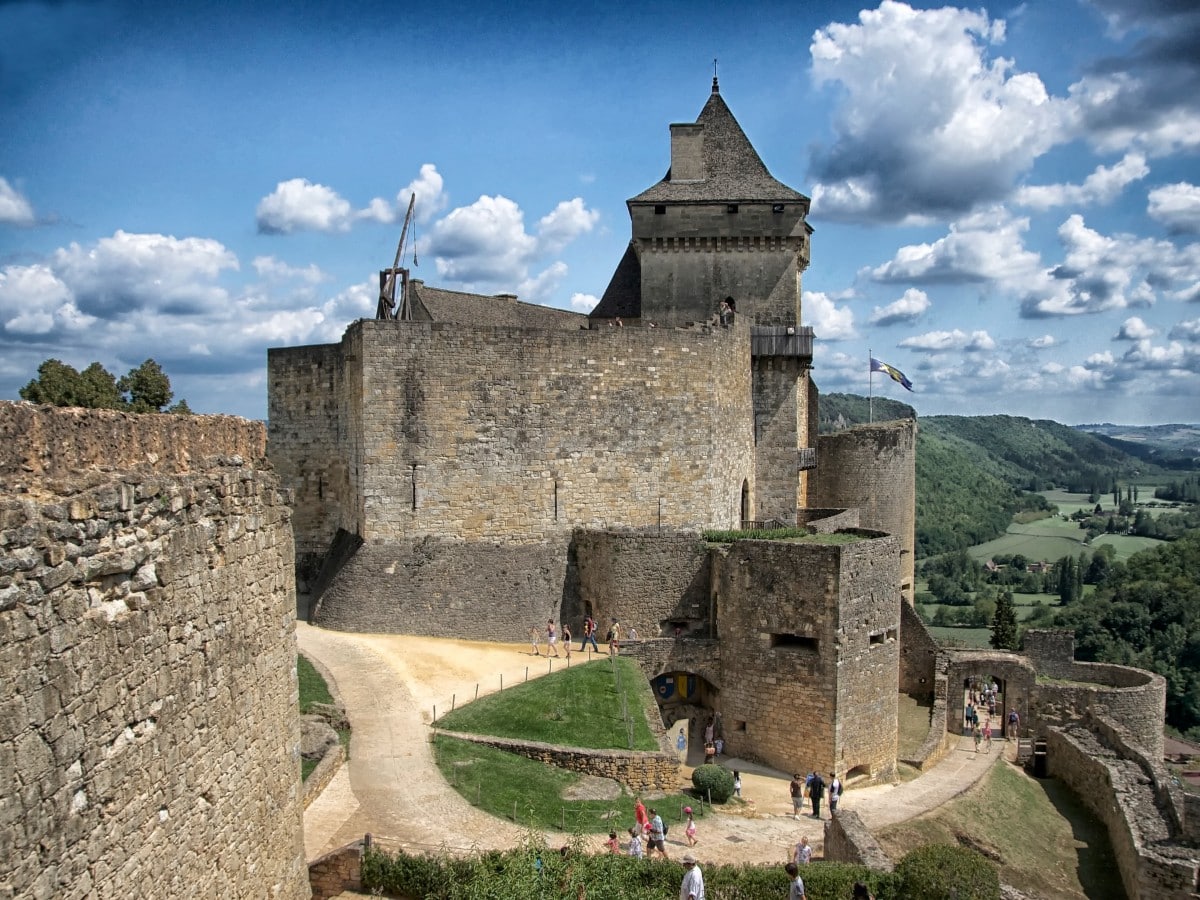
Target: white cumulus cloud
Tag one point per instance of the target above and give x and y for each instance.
(829, 321)
(1176, 206)
(1103, 186)
(14, 208)
(1134, 329)
(907, 309)
(930, 122)
(299, 205)
(947, 341)
(33, 300)
(984, 246)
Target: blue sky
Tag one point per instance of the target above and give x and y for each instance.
(1006, 197)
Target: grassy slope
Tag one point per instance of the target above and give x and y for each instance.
(1043, 839)
(580, 706)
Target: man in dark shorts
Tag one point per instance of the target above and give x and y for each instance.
(797, 790)
(658, 837)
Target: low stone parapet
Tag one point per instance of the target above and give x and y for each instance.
(848, 840)
(337, 871)
(638, 770)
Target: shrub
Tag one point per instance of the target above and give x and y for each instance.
(942, 871)
(713, 782)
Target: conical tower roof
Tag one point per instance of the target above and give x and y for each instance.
(733, 171)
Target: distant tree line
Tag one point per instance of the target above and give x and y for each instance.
(1145, 613)
(144, 389)
(1185, 491)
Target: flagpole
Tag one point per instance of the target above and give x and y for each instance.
(870, 387)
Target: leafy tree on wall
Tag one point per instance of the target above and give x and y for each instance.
(143, 389)
(1004, 623)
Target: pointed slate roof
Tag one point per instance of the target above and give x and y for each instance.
(734, 171)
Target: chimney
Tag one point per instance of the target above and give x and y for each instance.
(687, 152)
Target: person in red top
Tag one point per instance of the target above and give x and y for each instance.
(639, 813)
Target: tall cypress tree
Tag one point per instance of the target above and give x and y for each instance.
(1004, 623)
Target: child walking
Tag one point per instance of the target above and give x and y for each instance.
(635, 842)
(737, 784)
(690, 831)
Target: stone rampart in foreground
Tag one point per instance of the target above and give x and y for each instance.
(148, 718)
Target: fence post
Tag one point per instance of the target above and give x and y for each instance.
(453, 701)
(435, 712)
(526, 674)
(501, 682)
(477, 690)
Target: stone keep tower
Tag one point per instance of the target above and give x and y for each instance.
(718, 227)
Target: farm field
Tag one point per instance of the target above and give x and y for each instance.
(961, 637)
(1053, 538)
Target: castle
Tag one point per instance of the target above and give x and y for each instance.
(487, 464)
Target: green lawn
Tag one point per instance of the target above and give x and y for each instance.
(313, 689)
(1127, 544)
(536, 795)
(580, 706)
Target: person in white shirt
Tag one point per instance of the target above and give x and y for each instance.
(692, 887)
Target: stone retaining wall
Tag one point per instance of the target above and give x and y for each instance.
(848, 840)
(319, 778)
(336, 872)
(639, 770)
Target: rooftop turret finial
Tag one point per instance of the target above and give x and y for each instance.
(716, 88)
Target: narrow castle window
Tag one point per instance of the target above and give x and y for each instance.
(414, 486)
(555, 501)
(776, 207)
(731, 208)
(877, 638)
(660, 209)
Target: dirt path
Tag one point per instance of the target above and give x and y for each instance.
(391, 788)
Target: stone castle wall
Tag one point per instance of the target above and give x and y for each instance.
(311, 432)
(517, 434)
(149, 738)
(873, 468)
(483, 591)
(648, 581)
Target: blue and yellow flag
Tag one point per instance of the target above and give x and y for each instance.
(895, 374)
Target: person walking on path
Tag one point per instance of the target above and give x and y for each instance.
(658, 834)
(533, 639)
(614, 638)
(690, 831)
(635, 842)
(1014, 724)
(551, 638)
(816, 791)
(692, 887)
(835, 792)
(987, 735)
(639, 815)
(975, 732)
(589, 634)
(802, 854)
(566, 639)
(796, 887)
(796, 787)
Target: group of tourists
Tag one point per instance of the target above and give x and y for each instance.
(814, 787)
(551, 636)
